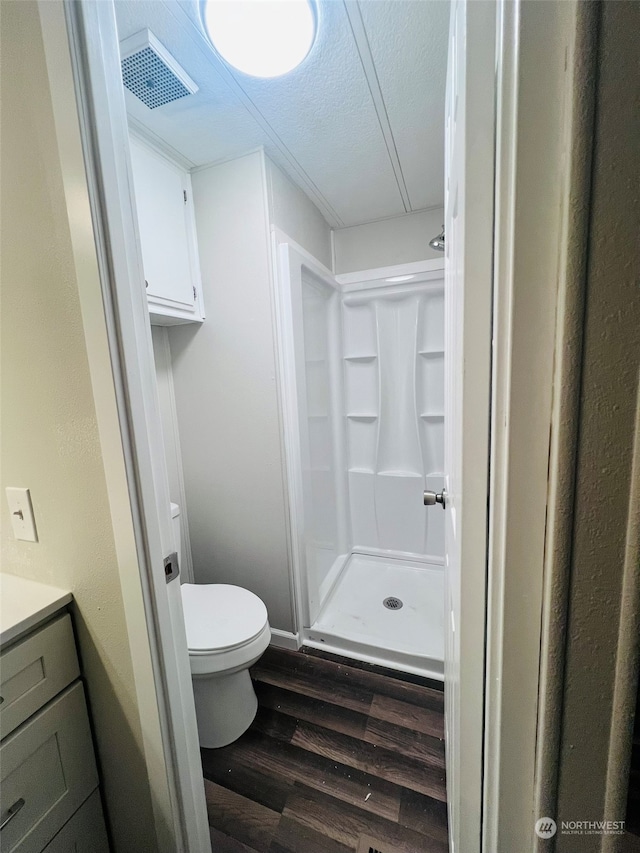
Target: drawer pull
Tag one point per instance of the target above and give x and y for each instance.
(13, 811)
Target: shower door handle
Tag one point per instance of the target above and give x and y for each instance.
(433, 498)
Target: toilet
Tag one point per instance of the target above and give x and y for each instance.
(227, 631)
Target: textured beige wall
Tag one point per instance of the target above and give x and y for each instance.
(605, 548)
(50, 439)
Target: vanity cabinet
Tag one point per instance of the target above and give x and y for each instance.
(78, 835)
(49, 796)
(167, 235)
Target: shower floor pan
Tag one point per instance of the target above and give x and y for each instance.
(406, 633)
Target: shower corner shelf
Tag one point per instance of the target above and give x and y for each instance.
(361, 471)
(362, 358)
(432, 416)
(431, 353)
(362, 417)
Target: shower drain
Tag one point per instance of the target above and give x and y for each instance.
(392, 603)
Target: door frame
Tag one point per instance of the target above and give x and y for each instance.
(81, 49)
(538, 100)
(285, 252)
(469, 216)
(535, 97)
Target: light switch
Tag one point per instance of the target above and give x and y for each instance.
(22, 520)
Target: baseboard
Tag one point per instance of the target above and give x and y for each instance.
(285, 639)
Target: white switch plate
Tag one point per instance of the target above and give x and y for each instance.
(22, 520)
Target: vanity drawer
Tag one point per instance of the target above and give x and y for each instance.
(34, 670)
(84, 833)
(47, 770)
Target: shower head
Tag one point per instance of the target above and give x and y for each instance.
(438, 242)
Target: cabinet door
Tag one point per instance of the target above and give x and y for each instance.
(47, 771)
(84, 832)
(34, 670)
(161, 201)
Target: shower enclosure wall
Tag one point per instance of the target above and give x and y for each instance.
(363, 371)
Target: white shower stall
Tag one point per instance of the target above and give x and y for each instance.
(362, 378)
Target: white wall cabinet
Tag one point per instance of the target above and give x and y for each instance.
(167, 236)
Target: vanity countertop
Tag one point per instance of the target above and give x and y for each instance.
(25, 603)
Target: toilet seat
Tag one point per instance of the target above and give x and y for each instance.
(227, 627)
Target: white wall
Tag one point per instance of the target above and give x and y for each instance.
(390, 241)
(227, 401)
(171, 441)
(295, 214)
(50, 438)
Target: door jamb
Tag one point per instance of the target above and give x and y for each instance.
(536, 99)
(111, 266)
(281, 248)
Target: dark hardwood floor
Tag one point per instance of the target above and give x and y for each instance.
(336, 753)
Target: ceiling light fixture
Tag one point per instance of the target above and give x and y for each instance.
(396, 278)
(261, 38)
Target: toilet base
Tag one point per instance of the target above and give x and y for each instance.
(226, 705)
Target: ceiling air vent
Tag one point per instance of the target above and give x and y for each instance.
(151, 73)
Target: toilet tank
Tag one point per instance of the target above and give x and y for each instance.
(175, 524)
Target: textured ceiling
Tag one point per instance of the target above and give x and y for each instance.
(359, 126)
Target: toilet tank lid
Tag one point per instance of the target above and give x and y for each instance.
(175, 510)
(219, 616)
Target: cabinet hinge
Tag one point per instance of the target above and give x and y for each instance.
(184, 193)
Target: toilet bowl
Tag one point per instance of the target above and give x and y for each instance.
(227, 631)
